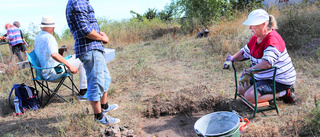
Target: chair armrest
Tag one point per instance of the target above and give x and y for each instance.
(257, 70)
(68, 57)
(39, 68)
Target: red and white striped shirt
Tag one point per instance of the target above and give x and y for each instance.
(272, 49)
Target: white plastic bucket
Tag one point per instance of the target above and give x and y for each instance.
(109, 54)
(218, 124)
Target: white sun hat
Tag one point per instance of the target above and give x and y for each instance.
(47, 21)
(257, 17)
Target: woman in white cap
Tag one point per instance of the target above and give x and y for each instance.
(266, 48)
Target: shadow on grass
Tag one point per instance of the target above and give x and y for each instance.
(32, 126)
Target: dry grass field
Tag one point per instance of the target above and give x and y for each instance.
(164, 84)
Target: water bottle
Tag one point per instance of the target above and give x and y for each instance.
(16, 106)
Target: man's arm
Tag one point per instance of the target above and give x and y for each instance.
(59, 58)
(81, 17)
(96, 36)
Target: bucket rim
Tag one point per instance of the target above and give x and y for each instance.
(223, 133)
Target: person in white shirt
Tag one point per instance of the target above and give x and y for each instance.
(46, 50)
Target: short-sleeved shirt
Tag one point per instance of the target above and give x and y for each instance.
(272, 49)
(81, 21)
(14, 36)
(21, 34)
(45, 45)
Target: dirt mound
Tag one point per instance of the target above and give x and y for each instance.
(185, 102)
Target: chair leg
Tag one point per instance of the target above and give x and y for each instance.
(55, 92)
(51, 93)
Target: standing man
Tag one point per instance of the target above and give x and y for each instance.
(15, 40)
(17, 24)
(88, 47)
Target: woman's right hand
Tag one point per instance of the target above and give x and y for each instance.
(228, 62)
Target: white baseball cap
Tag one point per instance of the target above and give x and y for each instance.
(47, 21)
(257, 17)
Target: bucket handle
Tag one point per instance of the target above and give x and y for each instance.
(243, 125)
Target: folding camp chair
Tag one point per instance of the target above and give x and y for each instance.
(43, 83)
(258, 107)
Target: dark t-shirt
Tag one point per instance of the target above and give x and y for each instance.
(21, 34)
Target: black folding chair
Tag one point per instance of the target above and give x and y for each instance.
(43, 83)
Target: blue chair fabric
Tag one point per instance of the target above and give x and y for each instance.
(38, 80)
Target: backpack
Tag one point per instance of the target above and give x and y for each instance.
(28, 98)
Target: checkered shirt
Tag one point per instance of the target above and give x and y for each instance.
(81, 20)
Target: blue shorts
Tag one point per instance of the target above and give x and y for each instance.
(98, 76)
(266, 86)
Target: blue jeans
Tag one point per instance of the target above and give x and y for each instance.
(98, 77)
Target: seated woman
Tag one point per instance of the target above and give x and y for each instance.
(266, 48)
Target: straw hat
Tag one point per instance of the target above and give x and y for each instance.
(47, 21)
(257, 17)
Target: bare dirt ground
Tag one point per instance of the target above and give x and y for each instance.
(3, 67)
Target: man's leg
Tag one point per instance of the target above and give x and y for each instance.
(82, 72)
(104, 100)
(24, 50)
(16, 50)
(93, 63)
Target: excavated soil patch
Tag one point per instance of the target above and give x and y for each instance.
(185, 103)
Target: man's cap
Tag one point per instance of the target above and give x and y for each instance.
(257, 17)
(7, 25)
(47, 21)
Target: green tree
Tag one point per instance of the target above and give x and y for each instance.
(246, 4)
(150, 14)
(66, 34)
(205, 11)
(138, 16)
(169, 12)
(30, 35)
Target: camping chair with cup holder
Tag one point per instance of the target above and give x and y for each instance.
(43, 83)
(263, 106)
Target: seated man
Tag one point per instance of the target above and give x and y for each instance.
(46, 49)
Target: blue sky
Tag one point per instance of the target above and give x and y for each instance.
(31, 11)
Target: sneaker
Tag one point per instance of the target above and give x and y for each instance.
(82, 98)
(110, 108)
(106, 119)
(289, 97)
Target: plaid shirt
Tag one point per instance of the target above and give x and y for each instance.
(81, 20)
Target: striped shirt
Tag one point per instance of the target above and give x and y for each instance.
(81, 21)
(286, 73)
(14, 36)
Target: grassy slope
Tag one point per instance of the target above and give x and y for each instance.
(159, 71)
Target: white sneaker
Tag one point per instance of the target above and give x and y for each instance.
(110, 108)
(106, 119)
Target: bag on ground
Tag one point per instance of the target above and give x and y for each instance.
(27, 97)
